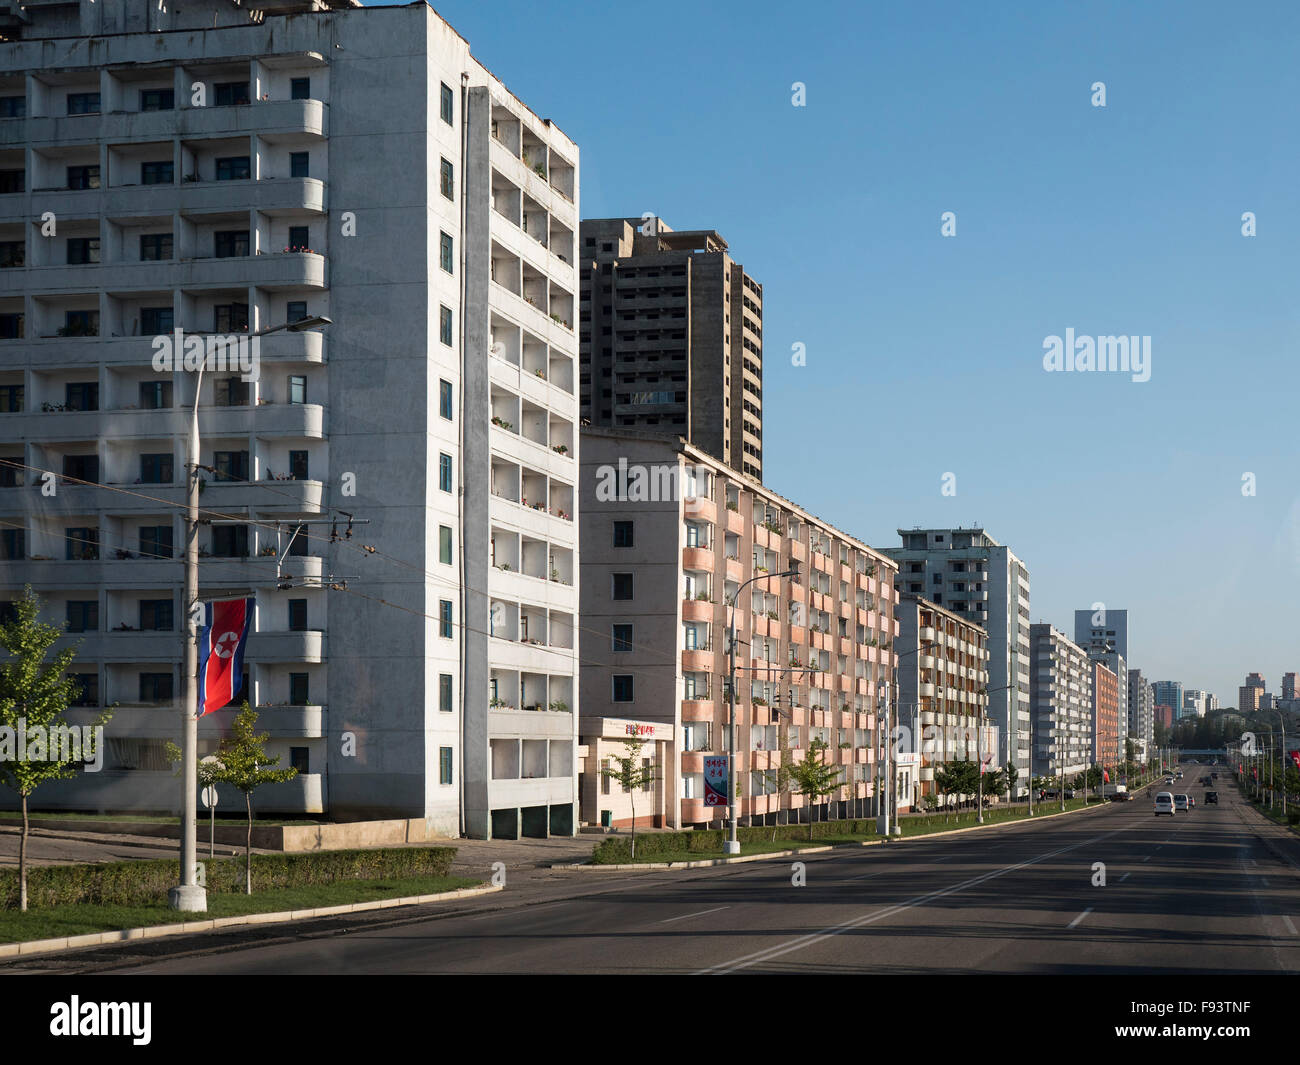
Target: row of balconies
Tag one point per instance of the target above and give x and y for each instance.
(298, 420)
(149, 646)
(275, 270)
(50, 353)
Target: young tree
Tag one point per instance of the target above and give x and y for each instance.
(634, 775)
(243, 763)
(1010, 774)
(34, 695)
(814, 777)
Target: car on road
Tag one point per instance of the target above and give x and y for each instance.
(1211, 798)
(1164, 804)
(1182, 802)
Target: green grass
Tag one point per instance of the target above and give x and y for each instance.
(78, 920)
(968, 818)
(762, 847)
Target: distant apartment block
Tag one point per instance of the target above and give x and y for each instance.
(1164, 715)
(1141, 718)
(1250, 696)
(670, 535)
(671, 333)
(340, 162)
(1061, 703)
(942, 682)
(969, 573)
(1106, 748)
(1101, 630)
(1169, 693)
(1194, 702)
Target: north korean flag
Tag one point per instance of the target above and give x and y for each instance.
(221, 652)
(1105, 777)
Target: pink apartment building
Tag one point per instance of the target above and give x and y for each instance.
(668, 536)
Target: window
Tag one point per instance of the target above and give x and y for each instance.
(81, 543)
(444, 472)
(444, 325)
(13, 181)
(648, 784)
(155, 687)
(444, 757)
(83, 250)
(156, 320)
(298, 541)
(298, 465)
(231, 93)
(299, 695)
(83, 615)
(295, 311)
(297, 388)
(12, 253)
(299, 238)
(444, 399)
(448, 181)
(622, 586)
(87, 689)
(11, 399)
(604, 776)
(300, 88)
(83, 103)
(83, 177)
(230, 392)
(300, 759)
(13, 544)
(81, 468)
(234, 168)
(160, 173)
(622, 534)
(79, 395)
(11, 327)
(297, 615)
(155, 246)
(444, 618)
(230, 243)
(300, 164)
(80, 324)
(448, 105)
(446, 253)
(13, 106)
(155, 395)
(156, 615)
(156, 468)
(622, 688)
(156, 541)
(10, 475)
(157, 99)
(444, 544)
(230, 541)
(230, 318)
(444, 693)
(622, 639)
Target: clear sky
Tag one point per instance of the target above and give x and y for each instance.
(925, 353)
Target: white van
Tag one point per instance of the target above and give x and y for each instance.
(1164, 804)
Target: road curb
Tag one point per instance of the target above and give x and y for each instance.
(1036, 819)
(95, 939)
(702, 864)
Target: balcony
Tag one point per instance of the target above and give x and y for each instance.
(698, 558)
(262, 117)
(697, 610)
(697, 709)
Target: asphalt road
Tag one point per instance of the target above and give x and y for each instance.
(1196, 893)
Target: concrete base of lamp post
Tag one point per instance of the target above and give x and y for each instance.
(730, 847)
(188, 897)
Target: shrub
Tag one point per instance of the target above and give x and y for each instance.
(616, 850)
(146, 882)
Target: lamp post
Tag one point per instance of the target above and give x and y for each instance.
(732, 845)
(190, 895)
(1282, 723)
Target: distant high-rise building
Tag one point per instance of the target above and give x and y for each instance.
(1194, 702)
(1061, 703)
(671, 337)
(1169, 693)
(1250, 695)
(971, 574)
(1106, 750)
(1141, 718)
(1099, 631)
(1164, 715)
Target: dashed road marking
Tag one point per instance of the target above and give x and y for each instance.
(1080, 917)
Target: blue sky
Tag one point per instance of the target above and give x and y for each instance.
(924, 353)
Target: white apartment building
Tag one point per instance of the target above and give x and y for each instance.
(971, 574)
(1141, 714)
(1062, 703)
(226, 170)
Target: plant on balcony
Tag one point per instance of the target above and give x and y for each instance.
(555, 574)
(702, 597)
(540, 374)
(758, 700)
(562, 449)
(560, 706)
(771, 526)
(733, 506)
(504, 567)
(501, 423)
(772, 615)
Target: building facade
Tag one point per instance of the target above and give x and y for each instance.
(1169, 693)
(1141, 717)
(969, 573)
(1062, 703)
(1101, 630)
(672, 539)
(1250, 696)
(1106, 748)
(942, 689)
(672, 337)
(225, 172)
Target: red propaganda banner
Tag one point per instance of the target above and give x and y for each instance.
(717, 780)
(221, 652)
(1295, 757)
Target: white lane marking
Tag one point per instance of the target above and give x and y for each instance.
(1290, 927)
(812, 938)
(1147, 858)
(1080, 917)
(1264, 880)
(700, 913)
(940, 859)
(1125, 877)
(868, 876)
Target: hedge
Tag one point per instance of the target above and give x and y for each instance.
(615, 850)
(148, 881)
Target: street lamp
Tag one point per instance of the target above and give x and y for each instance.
(732, 845)
(190, 895)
